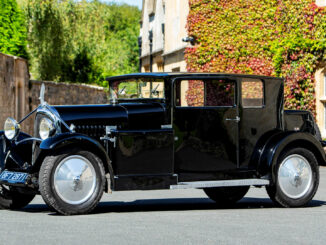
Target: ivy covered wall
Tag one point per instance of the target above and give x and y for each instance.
(283, 38)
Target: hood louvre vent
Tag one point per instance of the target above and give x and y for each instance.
(94, 131)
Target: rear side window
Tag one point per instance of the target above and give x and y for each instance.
(205, 93)
(252, 92)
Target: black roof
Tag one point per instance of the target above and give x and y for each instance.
(183, 74)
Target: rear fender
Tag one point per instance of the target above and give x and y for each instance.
(280, 142)
(68, 140)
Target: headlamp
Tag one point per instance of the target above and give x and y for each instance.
(11, 128)
(46, 128)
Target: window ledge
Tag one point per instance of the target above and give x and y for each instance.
(322, 99)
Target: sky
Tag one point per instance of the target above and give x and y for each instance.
(137, 3)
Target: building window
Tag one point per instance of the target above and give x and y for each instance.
(324, 85)
(151, 17)
(160, 66)
(324, 116)
(177, 69)
(146, 68)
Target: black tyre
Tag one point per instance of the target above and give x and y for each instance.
(226, 196)
(12, 199)
(72, 182)
(296, 178)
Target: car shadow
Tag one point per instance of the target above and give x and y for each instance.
(171, 204)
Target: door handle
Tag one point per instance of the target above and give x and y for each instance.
(236, 119)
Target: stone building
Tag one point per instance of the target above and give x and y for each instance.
(163, 26)
(320, 90)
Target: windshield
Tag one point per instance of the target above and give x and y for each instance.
(137, 89)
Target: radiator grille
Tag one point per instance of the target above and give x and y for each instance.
(95, 131)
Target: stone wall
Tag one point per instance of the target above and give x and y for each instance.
(19, 95)
(14, 79)
(7, 100)
(66, 94)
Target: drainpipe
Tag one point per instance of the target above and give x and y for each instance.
(140, 47)
(150, 37)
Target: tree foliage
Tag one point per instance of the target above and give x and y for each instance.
(272, 37)
(12, 29)
(81, 41)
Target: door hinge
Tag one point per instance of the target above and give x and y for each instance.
(108, 136)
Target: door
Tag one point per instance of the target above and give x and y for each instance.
(205, 120)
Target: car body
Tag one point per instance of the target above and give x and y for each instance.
(219, 132)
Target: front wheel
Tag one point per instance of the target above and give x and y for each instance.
(296, 178)
(72, 182)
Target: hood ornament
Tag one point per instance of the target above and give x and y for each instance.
(42, 92)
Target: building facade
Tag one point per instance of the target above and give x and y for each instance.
(163, 26)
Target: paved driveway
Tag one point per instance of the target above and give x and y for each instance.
(170, 217)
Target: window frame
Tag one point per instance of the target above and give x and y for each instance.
(241, 80)
(203, 78)
(324, 84)
(153, 80)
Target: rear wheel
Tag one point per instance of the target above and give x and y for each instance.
(72, 182)
(12, 199)
(296, 178)
(226, 196)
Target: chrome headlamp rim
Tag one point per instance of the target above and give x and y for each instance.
(16, 128)
(48, 127)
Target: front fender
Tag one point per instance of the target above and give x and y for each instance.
(282, 141)
(19, 151)
(61, 141)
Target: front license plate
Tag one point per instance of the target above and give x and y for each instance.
(13, 177)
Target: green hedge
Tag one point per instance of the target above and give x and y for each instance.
(82, 41)
(12, 29)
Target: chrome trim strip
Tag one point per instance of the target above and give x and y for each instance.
(220, 183)
(57, 117)
(28, 115)
(28, 139)
(166, 126)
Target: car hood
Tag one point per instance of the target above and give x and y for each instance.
(126, 115)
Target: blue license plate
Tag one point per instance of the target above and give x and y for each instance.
(13, 177)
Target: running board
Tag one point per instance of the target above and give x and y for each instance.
(220, 183)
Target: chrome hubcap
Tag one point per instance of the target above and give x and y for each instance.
(295, 176)
(75, 179)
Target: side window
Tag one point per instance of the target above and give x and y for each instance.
(252, 92)
(202, 93)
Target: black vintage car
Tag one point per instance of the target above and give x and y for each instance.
(218, 132)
